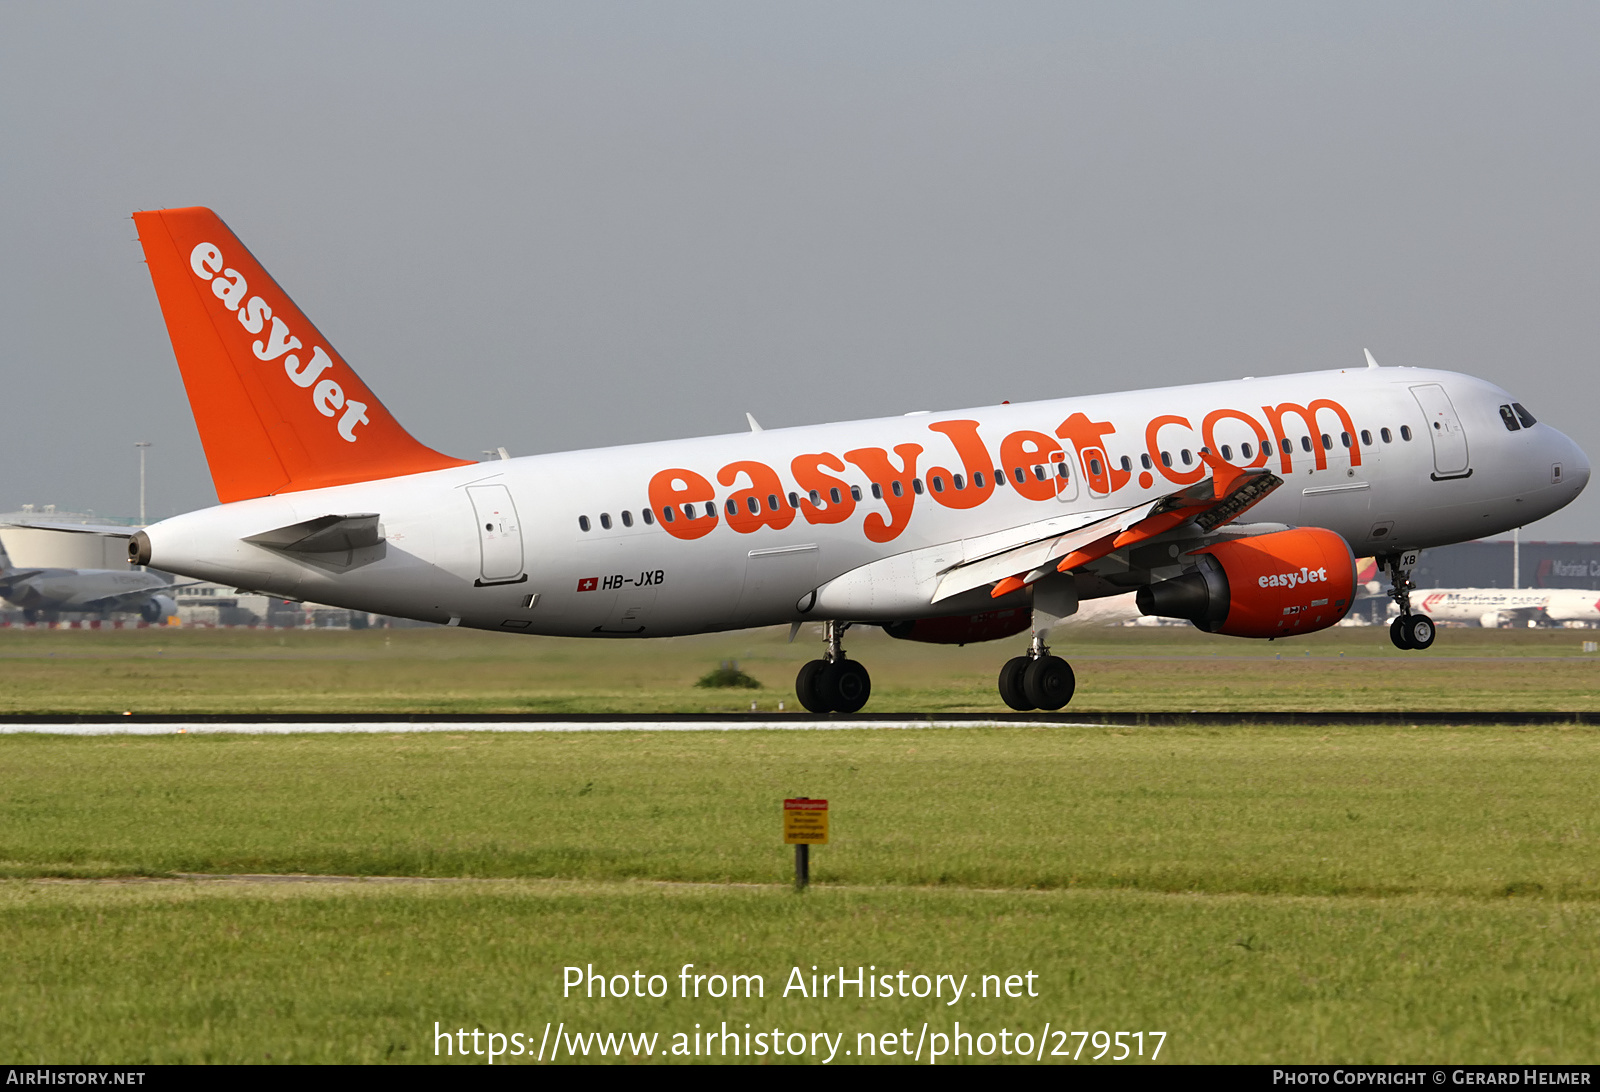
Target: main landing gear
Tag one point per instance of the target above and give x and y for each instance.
(836, 683)
(1037, 680)
(1411, 632)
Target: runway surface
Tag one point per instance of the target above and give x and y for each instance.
(378, 723)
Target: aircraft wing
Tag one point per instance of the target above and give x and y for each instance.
(1207, 504)
(133, 600)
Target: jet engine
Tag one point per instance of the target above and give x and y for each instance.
(1272, 585)
(158, 608)
(963, 629)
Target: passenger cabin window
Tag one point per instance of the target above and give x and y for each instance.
(916, 486)
(1388, 437)
(605, 521)
(1327, 442)
(794, 500)
(1288, 445)
(1523, 415)
(855, 492)
(668, 515)
(877, 491)
(958, 481)
(627, 519)
(937, 482)
(1127, 463)
(772, 502)
(977, 479)
(1305, 443)
(896, 488)
(1166, 459)
(1186, 456)
(1144, 461)
(583, 523)
(835, 496)
(649, 518)
(1244, 451)
(1405, 432)
(816, 499)
(1017, 473)
(1227, 452)
(1366, 437)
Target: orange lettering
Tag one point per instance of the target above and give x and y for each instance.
(896, 486)
(807, 470)
(1151, 442)
(1089, 438)
(974, 459)
(1208, 433)
(759, 506)
(671, 492)
(1308, 414)
(1025, 450)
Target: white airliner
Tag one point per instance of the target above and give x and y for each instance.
(954, 526)
(48, 591)
(1491, 607)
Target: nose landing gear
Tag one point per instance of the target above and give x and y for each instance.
(1411, 632)
(1037, 680)
(836, 683)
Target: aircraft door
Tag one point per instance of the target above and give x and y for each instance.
(499, 535)
(1444, 429)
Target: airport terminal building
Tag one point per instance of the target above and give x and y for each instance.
(1491, 564)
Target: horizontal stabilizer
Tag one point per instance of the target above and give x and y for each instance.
(106, 530)
(323, 535)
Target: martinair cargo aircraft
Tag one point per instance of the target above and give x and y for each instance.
(952, 527)
(1490, 607)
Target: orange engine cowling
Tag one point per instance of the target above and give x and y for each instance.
(1272, 585)
(963, 629)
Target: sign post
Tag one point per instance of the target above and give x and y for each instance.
(805, 824)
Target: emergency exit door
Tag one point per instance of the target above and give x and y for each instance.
(499, 535)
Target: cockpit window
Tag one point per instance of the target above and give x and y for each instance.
(1523, 415)
(1509, 418)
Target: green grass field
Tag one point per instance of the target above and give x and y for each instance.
(1260, 894)
(440, 670)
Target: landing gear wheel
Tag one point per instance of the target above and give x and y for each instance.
(1419, 631)
(806, 686)
(1397, 634)
(845, 686)
(1011, 684)
(1048, 682)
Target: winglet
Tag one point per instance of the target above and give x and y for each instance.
(1223, 473)
(277, 409)
(1371, 363)
(755, 426)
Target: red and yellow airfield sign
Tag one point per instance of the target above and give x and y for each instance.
(805, 822)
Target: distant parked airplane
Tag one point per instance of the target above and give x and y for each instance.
(1490, 607)
(90, 591)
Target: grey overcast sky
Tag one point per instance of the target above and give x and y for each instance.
(557, 225)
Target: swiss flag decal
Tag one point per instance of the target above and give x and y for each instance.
(589, 583)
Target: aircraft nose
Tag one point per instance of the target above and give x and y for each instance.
(1574, 464)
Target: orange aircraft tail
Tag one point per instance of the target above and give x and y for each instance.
(278, 410)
